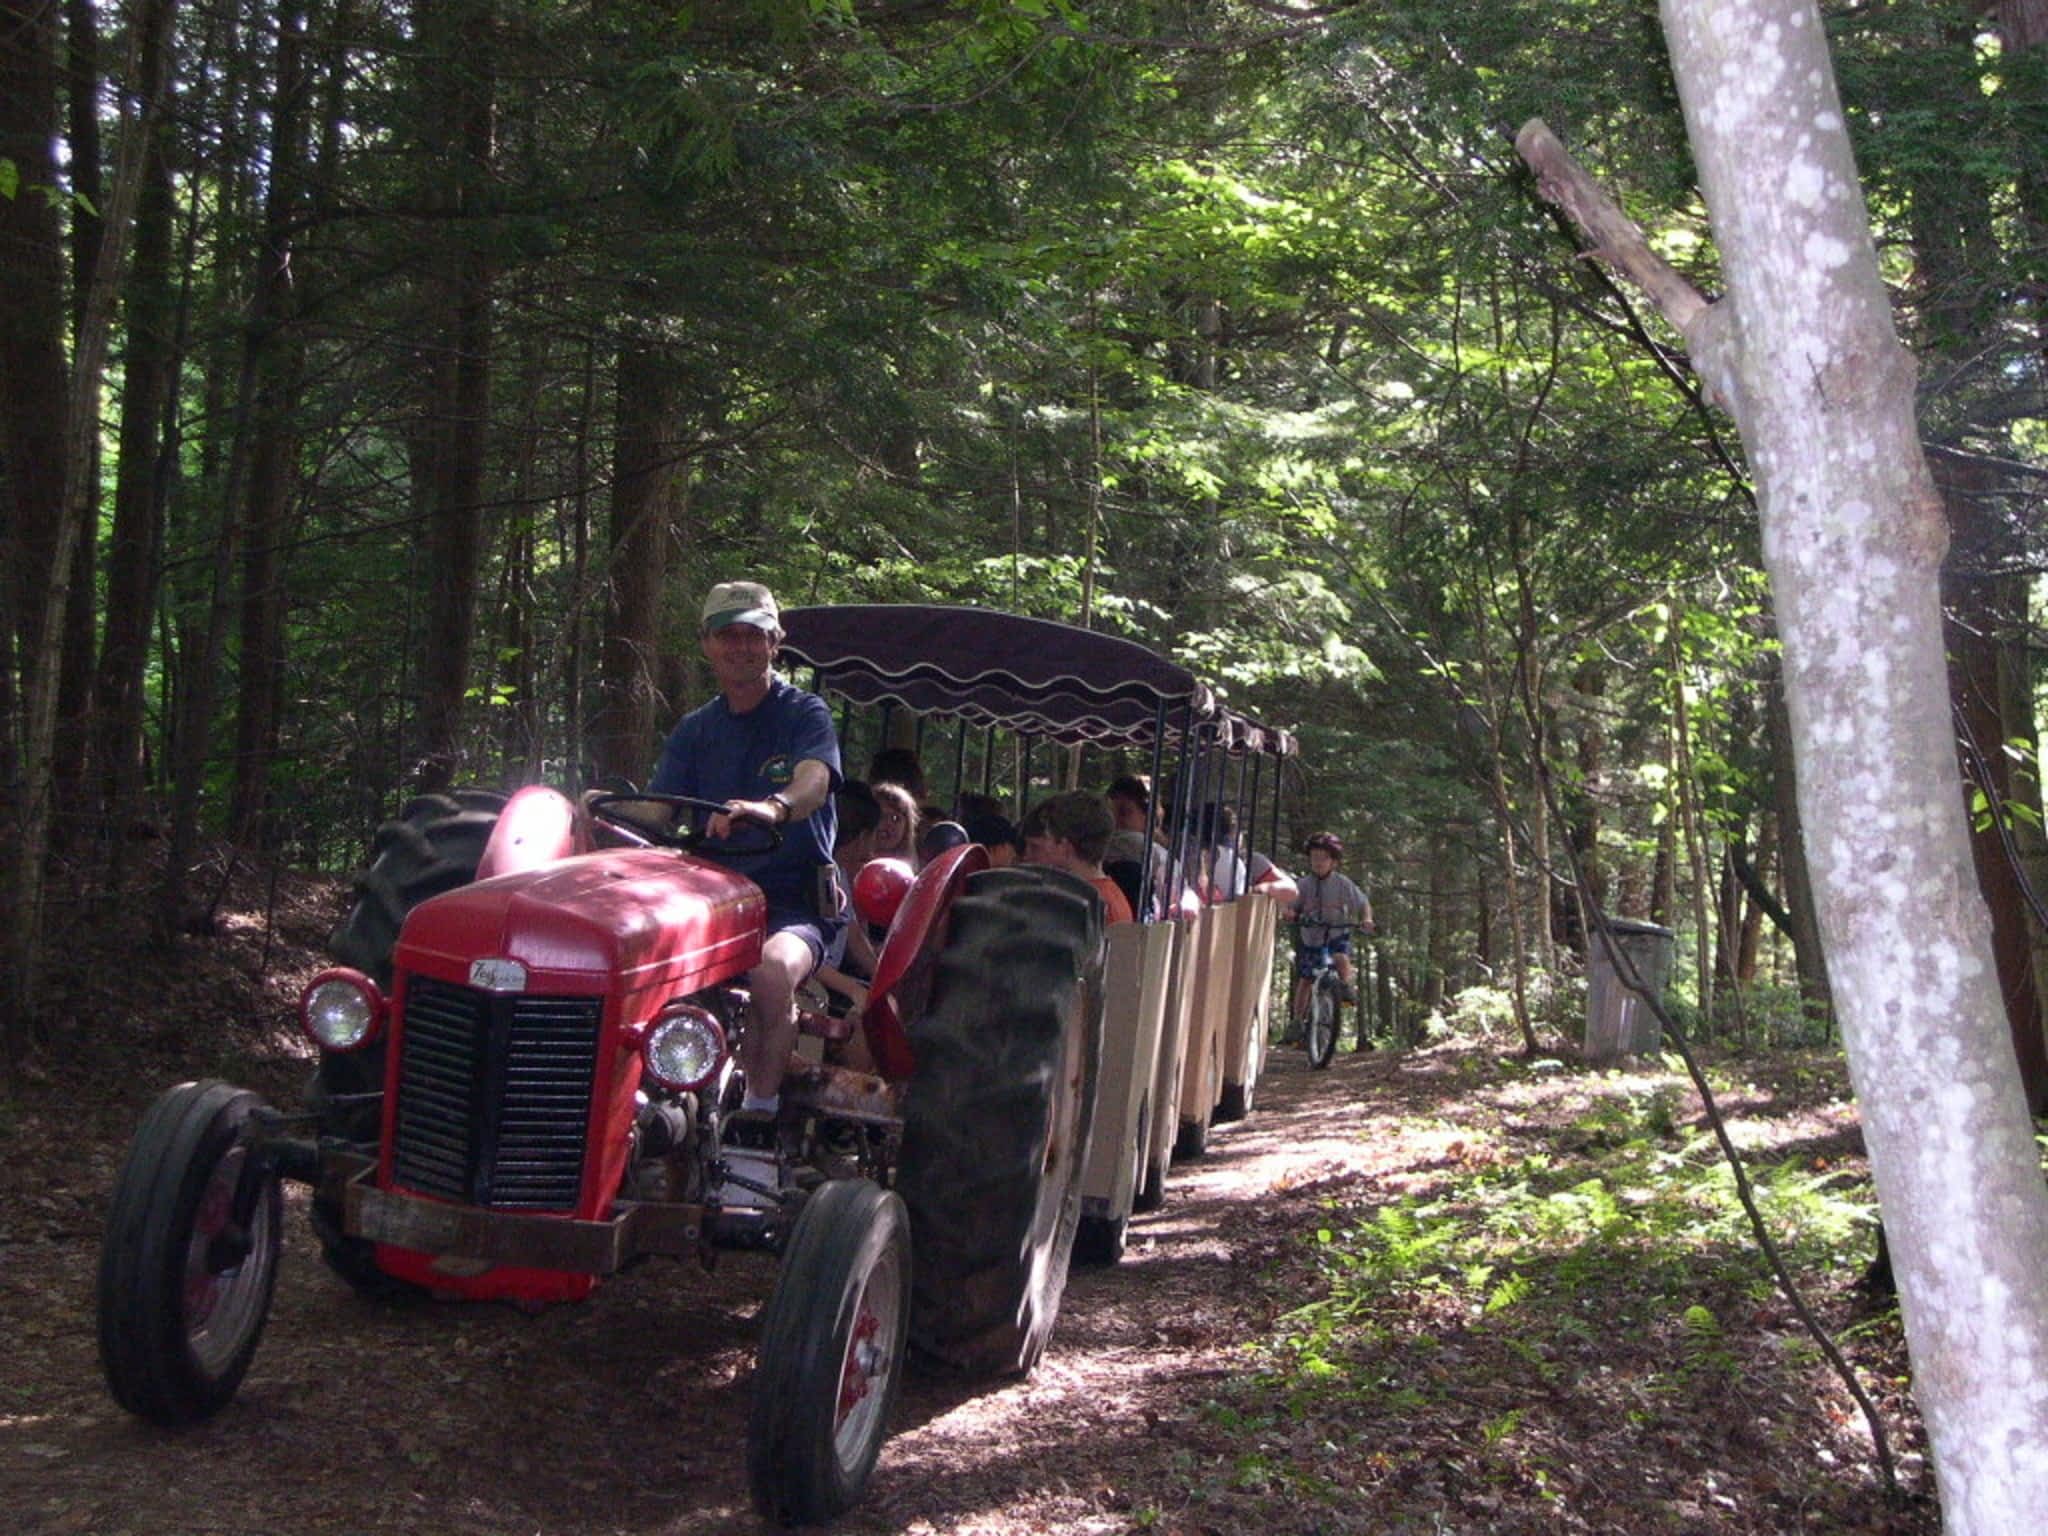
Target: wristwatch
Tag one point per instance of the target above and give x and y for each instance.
(788, 811)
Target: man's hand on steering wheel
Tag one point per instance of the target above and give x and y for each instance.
(650, 818)
(772, 812)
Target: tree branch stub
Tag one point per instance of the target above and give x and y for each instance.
(1617, 239)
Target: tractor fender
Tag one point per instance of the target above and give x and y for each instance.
(537, 826)
(903, 969)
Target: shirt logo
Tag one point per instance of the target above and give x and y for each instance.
(778, 769)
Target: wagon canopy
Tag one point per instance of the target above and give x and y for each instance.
(1036, 676)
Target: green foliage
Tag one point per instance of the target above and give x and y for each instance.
(1253, 332)
(1475, 1013)
(1628, 1229)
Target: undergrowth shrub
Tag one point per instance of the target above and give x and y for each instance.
(1485, 1014)
(1481, 1014)
(1633, 1224)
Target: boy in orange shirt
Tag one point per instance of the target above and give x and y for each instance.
(1070, 832)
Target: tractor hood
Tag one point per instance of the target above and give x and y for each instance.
(626, 920)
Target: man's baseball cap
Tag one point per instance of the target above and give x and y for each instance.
(741, 602)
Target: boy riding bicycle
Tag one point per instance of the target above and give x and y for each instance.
(1327, 906)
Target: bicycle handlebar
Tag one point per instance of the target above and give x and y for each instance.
(1331, 926)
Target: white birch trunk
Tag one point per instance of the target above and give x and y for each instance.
(1803, 352)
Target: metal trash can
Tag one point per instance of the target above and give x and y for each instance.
(1618, 1022)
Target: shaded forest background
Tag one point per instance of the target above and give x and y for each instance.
(381, 384)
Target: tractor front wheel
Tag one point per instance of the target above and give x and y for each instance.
(189, 1260)
(831, 1353)
(996, 1119)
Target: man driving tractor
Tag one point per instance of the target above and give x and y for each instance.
(768, 750)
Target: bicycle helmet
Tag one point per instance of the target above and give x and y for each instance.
(1330, 842)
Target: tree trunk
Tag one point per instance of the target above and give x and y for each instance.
(1987, 609)
(1436, 945)
(32, 310)
(1531, 685)
(521, 719)
(2021, 23)
(1664, 865)
(273, 438)
(1690, 827)
(202, 649)
(1549, 889)
(1504, 814)
(647, 479)
(1518, 935)
(460, 77)
(2022, 30)
(74, 678)
(1749, 945)
(577, 556)
(2017, 678)
(1482, 939)
(1727, 916)
(1590, 682)
(142, 477)
(1955, 251)
(33, 442)
(44, 499)
(1809, 956)
(1803, 354)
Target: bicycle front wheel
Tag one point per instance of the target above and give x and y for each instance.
(1323, 1005)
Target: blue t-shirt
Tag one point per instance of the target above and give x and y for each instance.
(715, 754)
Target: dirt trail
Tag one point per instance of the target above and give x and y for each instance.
(626, 1413)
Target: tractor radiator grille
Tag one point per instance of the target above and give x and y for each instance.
(494, 1095)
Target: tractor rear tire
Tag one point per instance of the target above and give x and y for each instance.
(434, 846)
(996, 1119)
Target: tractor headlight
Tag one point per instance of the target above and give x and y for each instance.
(684, 1048)
(341, 1010)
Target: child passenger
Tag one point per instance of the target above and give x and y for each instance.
(850, 962)
(982, 816)
(1070, 832)
(896, 836)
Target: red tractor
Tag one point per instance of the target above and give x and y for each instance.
(526, 1064)
(526, 1067)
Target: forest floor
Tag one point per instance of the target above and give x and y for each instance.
(1427, 1291)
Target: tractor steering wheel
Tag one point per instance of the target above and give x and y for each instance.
(688, 839)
